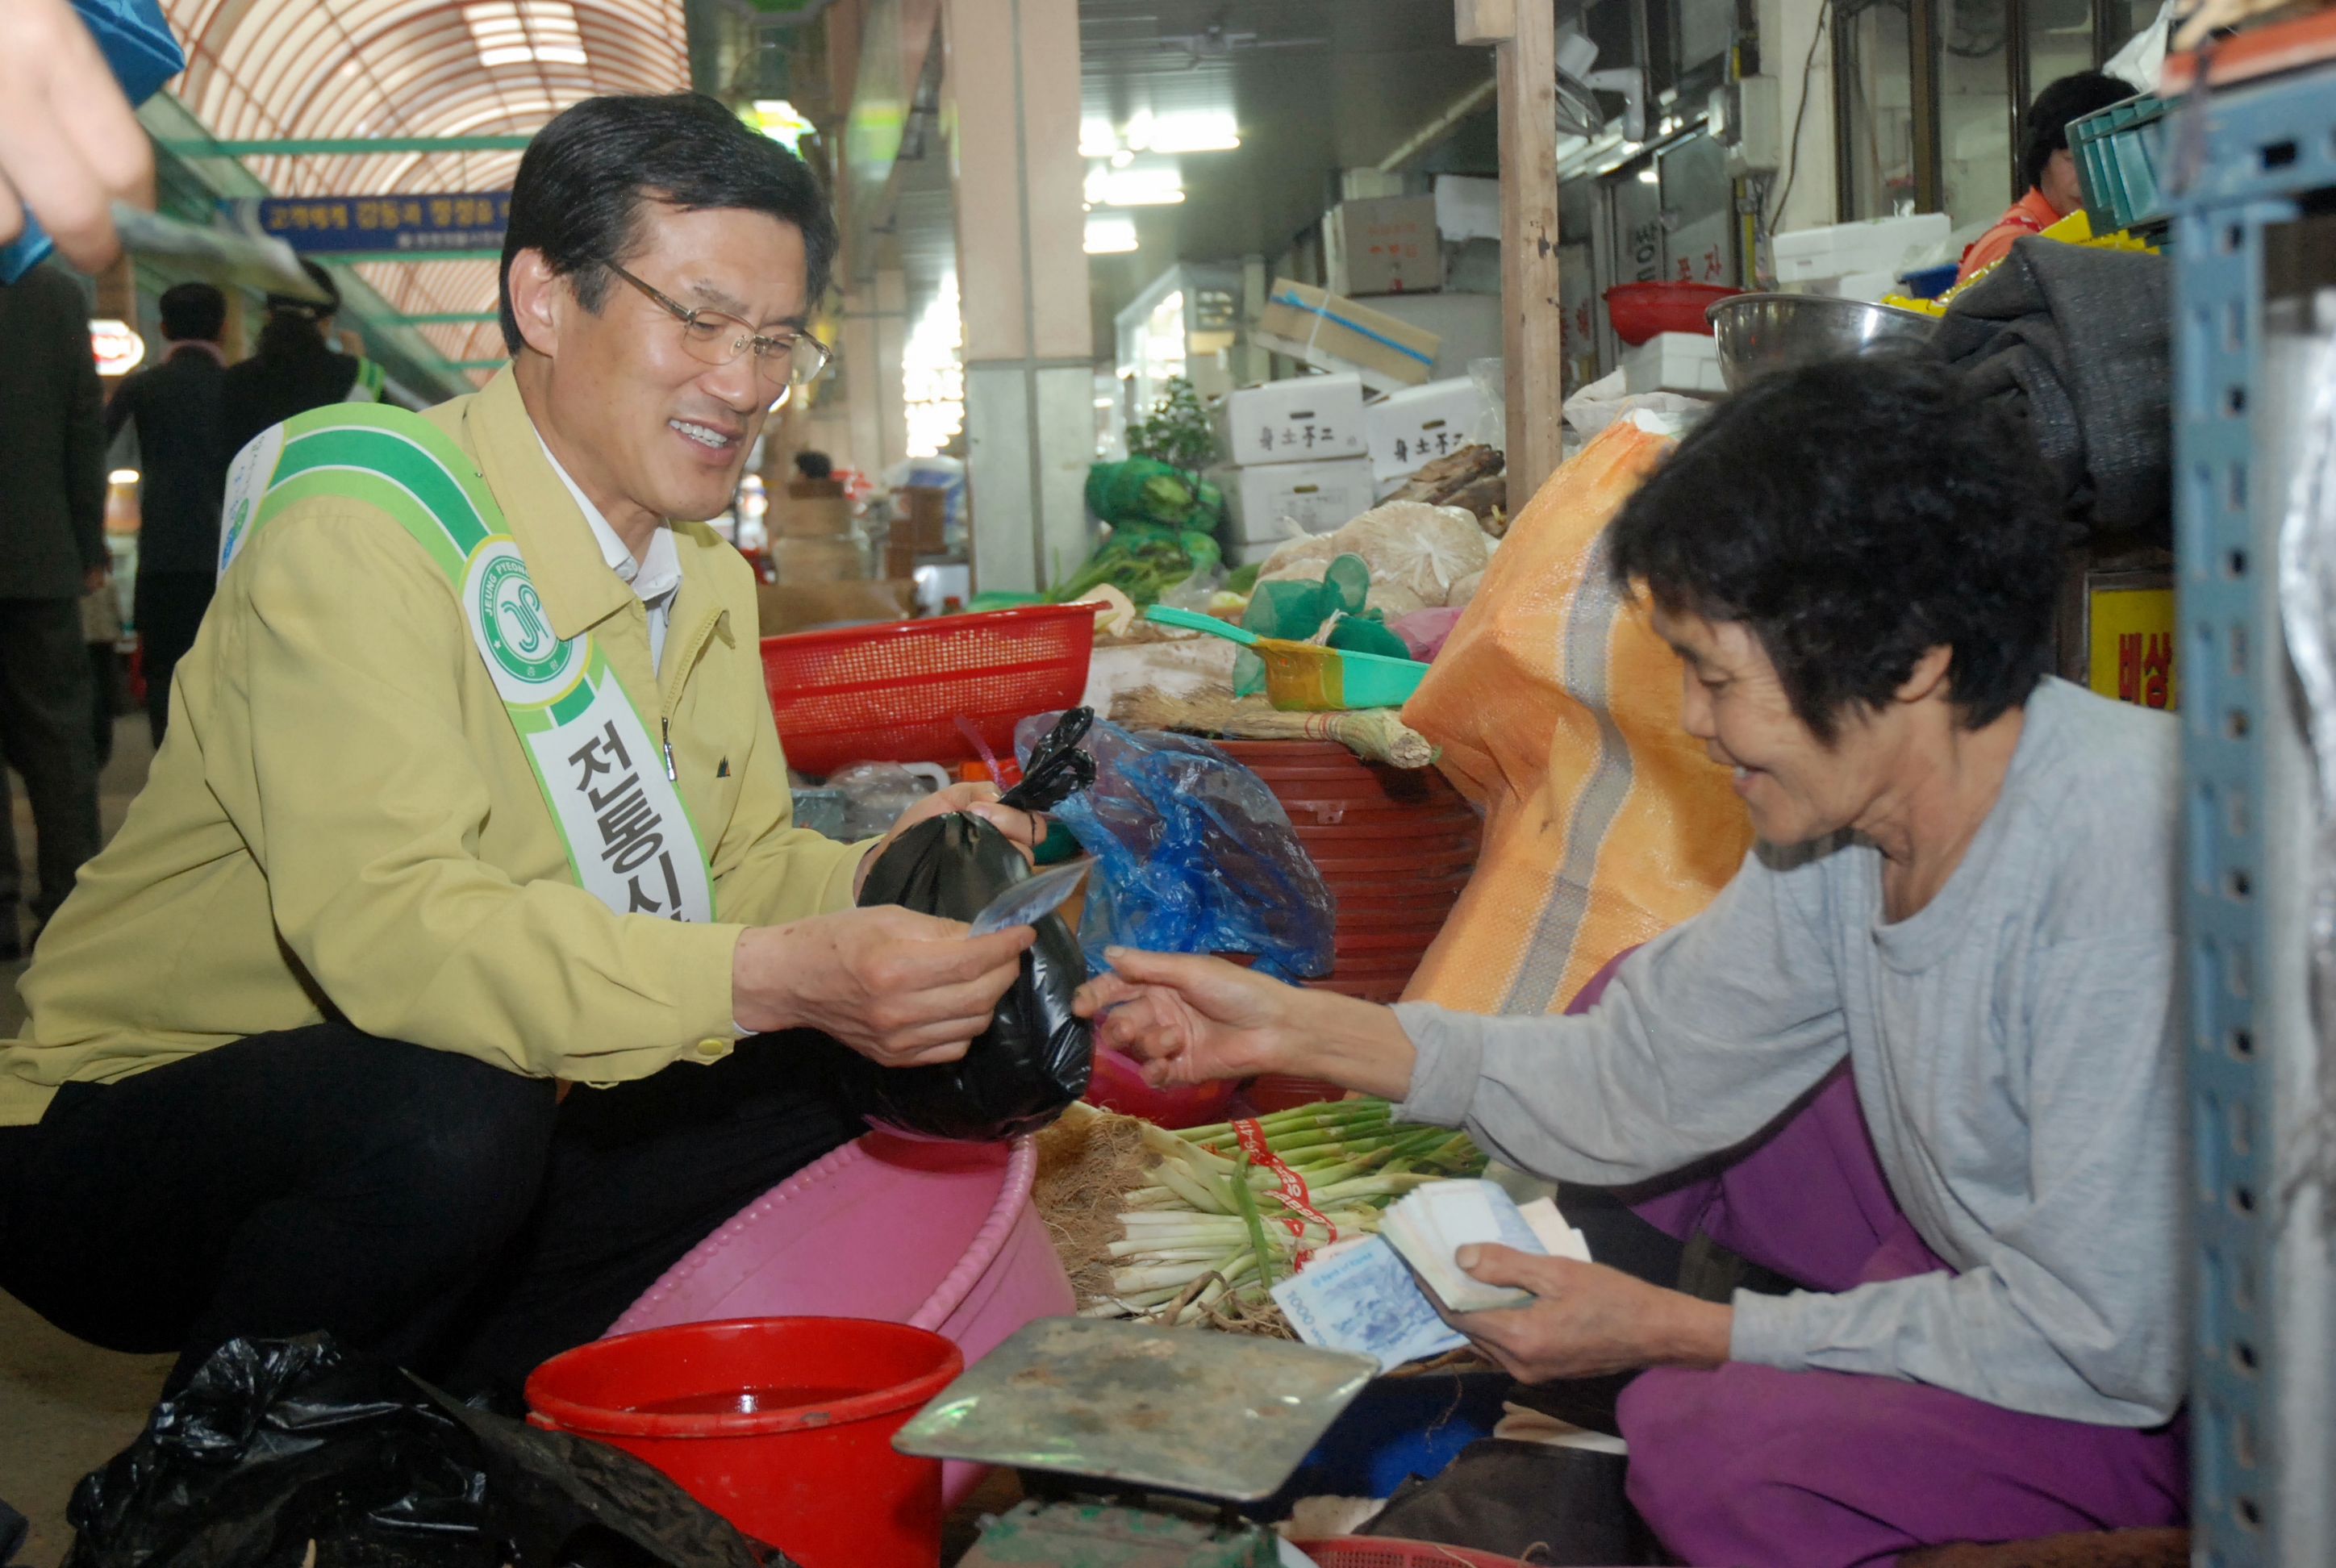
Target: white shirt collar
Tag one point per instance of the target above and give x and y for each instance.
(653, 578)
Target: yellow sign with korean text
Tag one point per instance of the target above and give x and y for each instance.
(2132, 645)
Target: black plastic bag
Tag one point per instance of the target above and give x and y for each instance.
(1034, 1058)
(1057, 768)
(278, 1443)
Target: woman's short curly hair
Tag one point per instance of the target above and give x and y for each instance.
(1855, 515)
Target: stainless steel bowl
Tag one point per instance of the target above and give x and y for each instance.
(1759, 333)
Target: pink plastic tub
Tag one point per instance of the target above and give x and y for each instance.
(936, 1235)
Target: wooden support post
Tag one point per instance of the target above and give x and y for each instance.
(1524, 34)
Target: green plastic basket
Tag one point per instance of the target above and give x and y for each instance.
(2117, 150)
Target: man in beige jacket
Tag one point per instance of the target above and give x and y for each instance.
(301, 1041)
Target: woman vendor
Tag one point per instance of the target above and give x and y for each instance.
(2047, 169)
(1920, 1057)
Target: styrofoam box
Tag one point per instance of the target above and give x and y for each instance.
(1421, 423)
(1317, 496)
(1308, 419)
(1867, 247)
(1685, 362)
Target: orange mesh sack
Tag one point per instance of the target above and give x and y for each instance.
(1557, 707)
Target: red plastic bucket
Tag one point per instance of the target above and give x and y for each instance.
(783, 1426)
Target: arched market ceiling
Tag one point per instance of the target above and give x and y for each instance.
(359, 68)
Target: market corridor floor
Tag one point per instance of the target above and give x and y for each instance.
(65, 1407)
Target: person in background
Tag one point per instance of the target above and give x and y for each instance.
(51, 552)
(2047, 169)
(101, 632)
(294, 368)
(183, 458)
(813, 465)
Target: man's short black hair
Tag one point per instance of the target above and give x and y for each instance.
(580, 185)
(1854, 515)
(193, 311)
(2070, 98)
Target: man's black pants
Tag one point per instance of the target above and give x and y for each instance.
(169, 610)
(426, 1206)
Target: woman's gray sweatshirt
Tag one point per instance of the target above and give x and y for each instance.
(2015, 1046)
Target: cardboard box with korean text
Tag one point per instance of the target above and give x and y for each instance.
(1316, 496)
(1307, 419)
(1383, 245)
(1420, 425)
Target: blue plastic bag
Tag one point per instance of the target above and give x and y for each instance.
(1192, 855)
(138, 46)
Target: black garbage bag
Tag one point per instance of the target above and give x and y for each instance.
(277, 1444)
(1034, 1058)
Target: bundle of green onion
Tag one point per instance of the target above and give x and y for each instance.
(1213, 1223)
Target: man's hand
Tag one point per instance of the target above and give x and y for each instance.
(69, 145)
(1189, 1018)
(1589, 1320)
(1025, 829)
(901, 988)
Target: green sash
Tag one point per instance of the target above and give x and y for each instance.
(630, 840)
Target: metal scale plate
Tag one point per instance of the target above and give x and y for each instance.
(1133, 1406)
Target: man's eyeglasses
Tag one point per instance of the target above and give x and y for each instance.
(786, 358)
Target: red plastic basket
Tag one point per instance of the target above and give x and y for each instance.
(894, 692)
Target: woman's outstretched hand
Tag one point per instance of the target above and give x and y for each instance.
(1189, 1018)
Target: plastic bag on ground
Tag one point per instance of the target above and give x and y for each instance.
(1192, 855)
(277, 1444)
(1557, 707)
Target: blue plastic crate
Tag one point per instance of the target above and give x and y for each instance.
(2117, 154)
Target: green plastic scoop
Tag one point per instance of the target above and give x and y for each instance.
(1300, 678)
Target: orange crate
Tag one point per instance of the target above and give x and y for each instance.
(894, 692)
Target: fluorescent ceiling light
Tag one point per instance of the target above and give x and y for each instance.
(519, 31)
(1138, 185)
(1107, 235)
(1648, 177)
(1205, 131)
(1194, 130)
(122, 476)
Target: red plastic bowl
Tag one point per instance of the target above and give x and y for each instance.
(1641, 310)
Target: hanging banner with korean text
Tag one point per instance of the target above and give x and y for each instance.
(324, 225)
(629, 838)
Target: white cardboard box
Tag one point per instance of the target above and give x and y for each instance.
(1383, 245)
(1308, 419)
(1872, 246)
(1317, 496)
(1685, 362)
(1420, 425)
